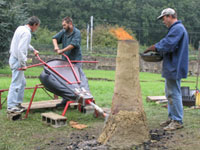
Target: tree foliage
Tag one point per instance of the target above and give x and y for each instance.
(5, 32)
(43, 36)
(12, 14)
(139, 15)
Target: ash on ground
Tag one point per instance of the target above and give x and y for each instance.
(87, 141)
(86, 145)
(76, 141)
(158, 140)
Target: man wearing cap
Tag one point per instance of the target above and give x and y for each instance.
(174, 48)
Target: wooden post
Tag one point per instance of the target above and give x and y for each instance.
(126, 125)
(91, 32)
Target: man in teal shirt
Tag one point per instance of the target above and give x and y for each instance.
(70, 37)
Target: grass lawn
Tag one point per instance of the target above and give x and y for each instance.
(32, 134)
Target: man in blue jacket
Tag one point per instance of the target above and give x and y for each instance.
(174, 48)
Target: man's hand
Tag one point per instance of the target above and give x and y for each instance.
(56, 48)
(36, 52)
(151, 48)
(23, 68)
(60, 51)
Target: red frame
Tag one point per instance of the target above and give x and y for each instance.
(88, 101)
(4, 90)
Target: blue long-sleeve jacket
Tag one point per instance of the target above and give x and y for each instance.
(174, 48)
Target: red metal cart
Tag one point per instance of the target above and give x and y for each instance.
(70, 76)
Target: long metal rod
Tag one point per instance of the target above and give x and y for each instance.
(30, 103)
(35, 65)
(4, 101)
(83, 61)
(53, 69)
(100, 110)
(47, 93)
(77, 79)
(0, 101)
(4, 90)
(66, 107)
(73, 61)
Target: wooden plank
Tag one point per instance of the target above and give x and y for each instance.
(193, 107)
(162, 101)
(74, 104)
(53, 116)
(156, 98)
(42, 104)
(45, 104)
(88, 109)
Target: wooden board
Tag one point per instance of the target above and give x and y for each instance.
(162, 101)
(42, 104)
(193, 107)
(156, 98)
(53, 116)
(46, 104)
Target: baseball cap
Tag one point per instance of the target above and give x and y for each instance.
(167, 11)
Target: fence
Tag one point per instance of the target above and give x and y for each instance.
(96, 50)
(99, 51)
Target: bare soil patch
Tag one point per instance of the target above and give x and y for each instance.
(182, 139)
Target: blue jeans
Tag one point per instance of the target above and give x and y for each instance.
(174, 96)
(84, 80)
(18, 83)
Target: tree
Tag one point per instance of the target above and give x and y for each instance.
(5, 32)
(11, 15)
(138, 15)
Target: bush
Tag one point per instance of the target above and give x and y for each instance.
(42, 36)
(104, 42)
(101, 37)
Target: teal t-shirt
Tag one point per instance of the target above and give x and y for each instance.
(73, 38)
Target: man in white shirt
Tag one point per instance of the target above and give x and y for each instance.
(18, 56)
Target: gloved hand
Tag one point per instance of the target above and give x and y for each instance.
(35, 52)
(151, 48)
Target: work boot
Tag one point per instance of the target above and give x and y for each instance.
(174, 125)
(165, 123)
(14, 109)
(21, 107)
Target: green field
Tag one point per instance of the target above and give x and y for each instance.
(31, 131)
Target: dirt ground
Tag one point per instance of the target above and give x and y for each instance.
(160, 140)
